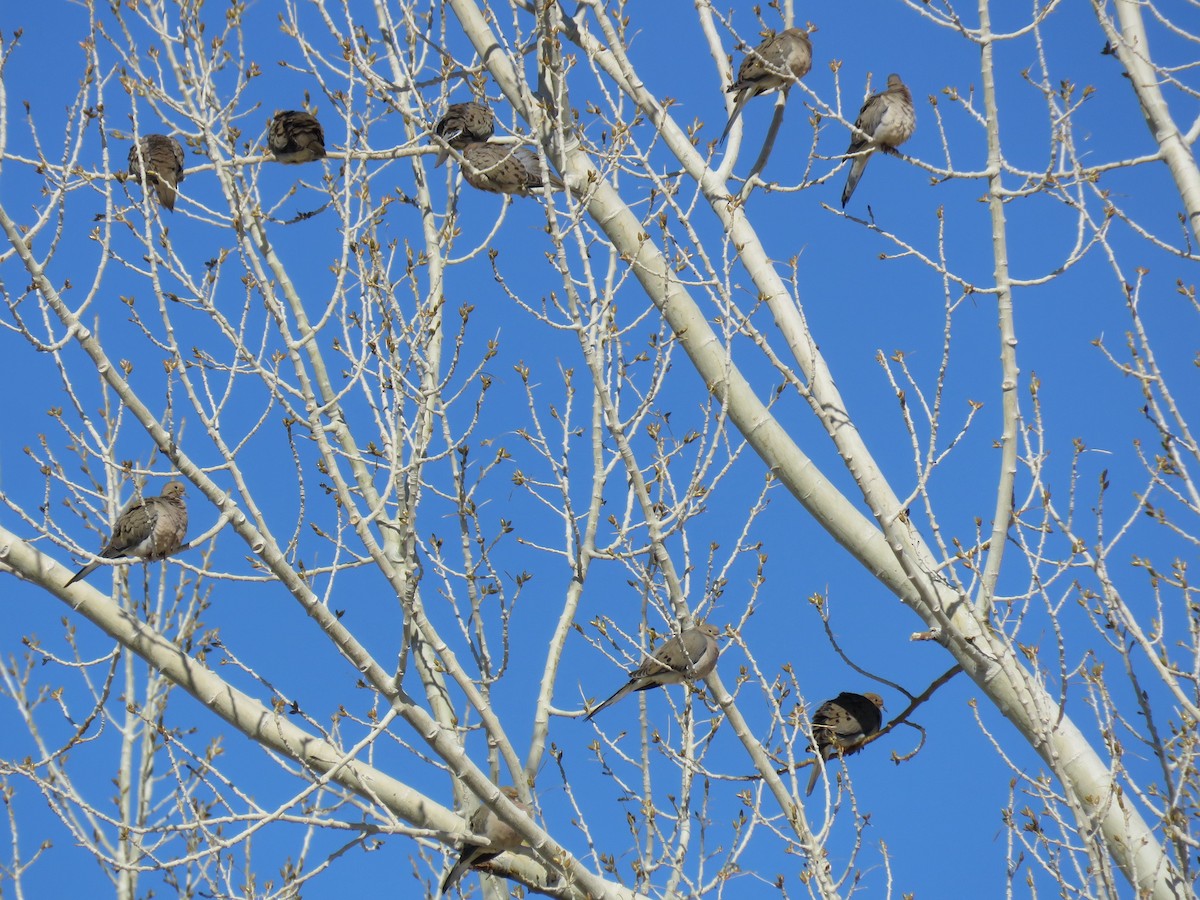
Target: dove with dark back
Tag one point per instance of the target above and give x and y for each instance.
(776, 63)
(502, 838)
(841, 725)
(463, 124)
(504, 169)
(685, 657)
(150, 528)
(163, 158)
(296, 136)
(885, 121)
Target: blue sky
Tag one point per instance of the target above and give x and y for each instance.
(857, 305)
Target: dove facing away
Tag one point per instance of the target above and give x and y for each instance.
(685, 657)
(504, 169)
(775, 63)
(296, 136)
(502, 837)
(164, 165)
(841, 725)
(150, 528)
(885, 122)
(463, 124)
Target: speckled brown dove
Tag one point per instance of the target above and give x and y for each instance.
(503, 838)
(296, 136)
(885, 122)
(151, 528)
(685, 657)
(775, 63)
(463, 124)
(841, 725)
(504, 169)
(164, 165)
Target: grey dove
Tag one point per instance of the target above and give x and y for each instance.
(840, 726)
(164, 165)
(504, 169)
(150, 528)
(885, 122)
(685, 657)
(775, 63)
(502, 837)
(296, 136)
(463, 124)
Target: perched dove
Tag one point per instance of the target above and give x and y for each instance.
(296, 137)
(164, 165)
(151, 528)
(885, 122)
(463, 124)
(503, 838)
(841, 725)
(504, 169)
(685, 657)
(773, 64)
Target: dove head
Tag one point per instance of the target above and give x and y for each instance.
(173, 490)
(894, 81)
(706, 628)
(875, 698)
(800, 35)
(512, 794)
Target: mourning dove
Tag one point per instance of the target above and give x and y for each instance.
(504, 169)
(841, 725)
(775, 63)
(150, 528)
(685, 657)
(885, 122)
(296, 136)
(164, 165)
(463, 124)
(502, 838)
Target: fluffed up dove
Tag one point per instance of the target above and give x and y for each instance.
(885, 122)
(296, 136)
(775, 63)
(164, 165)
(463, 124)
(685, 657)
(840, 726)
(150, 528)
(502, 837)
(504, 169)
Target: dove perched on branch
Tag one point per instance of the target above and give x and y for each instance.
(774, 64)
(840, 726)
(504, 169)
(150, 528)
(296, 136)
(685, 657)
(502, 838)
(163, 158)
(463, 124)
(885, 122)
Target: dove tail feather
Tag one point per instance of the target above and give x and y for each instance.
(624, 692)
(738, 104)
(856, 171)
(818, 767)
(166, 192)
(456, 872)
(472, 856)
(83, 573)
